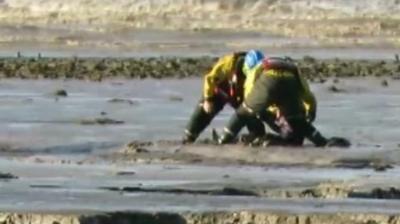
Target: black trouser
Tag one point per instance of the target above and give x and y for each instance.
(300, 129)
(285, 92)
(200, 119)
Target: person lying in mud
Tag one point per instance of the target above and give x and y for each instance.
(222, 85)
(275, 84)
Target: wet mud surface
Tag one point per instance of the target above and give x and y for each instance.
(85, 140)
(54, 168)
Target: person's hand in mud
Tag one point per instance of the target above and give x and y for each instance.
(338, 142)
(208, 106)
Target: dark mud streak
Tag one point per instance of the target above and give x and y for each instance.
(137, 218)
(377, 193)
(126, 101)
(43, 186)
(227, 191)
(101, 121)
(362, 164)
(125, 173)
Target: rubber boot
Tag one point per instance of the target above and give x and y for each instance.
(197, 123)
(235, 124)
(226, 138)
(317, 138)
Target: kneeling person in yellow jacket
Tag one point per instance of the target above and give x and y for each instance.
(222, 85)
(276, 94)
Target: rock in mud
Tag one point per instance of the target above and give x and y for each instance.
(61, 93)
(381, 167)
(309, 59)
(7, 176)
(335, 89)
(6, 147)
(138, 147)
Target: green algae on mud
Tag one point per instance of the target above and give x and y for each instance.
(97, 69)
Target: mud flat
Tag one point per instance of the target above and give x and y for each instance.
(132, 169)
(172, 193)
(102, 193)
(98, 69)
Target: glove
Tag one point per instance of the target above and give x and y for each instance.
(338, 142)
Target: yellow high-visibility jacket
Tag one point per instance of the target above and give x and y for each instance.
(309, 100)
(221, 72)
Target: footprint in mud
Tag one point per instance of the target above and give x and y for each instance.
(335, 89)
(127, 101)
(100, 121)
(125, 173)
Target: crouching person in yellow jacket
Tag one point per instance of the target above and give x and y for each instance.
(222, 85)
(276, 94)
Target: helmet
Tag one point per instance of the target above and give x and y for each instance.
(253, 58)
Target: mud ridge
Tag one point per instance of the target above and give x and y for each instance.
(97, 69)
(207, 153)
(227, 191)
